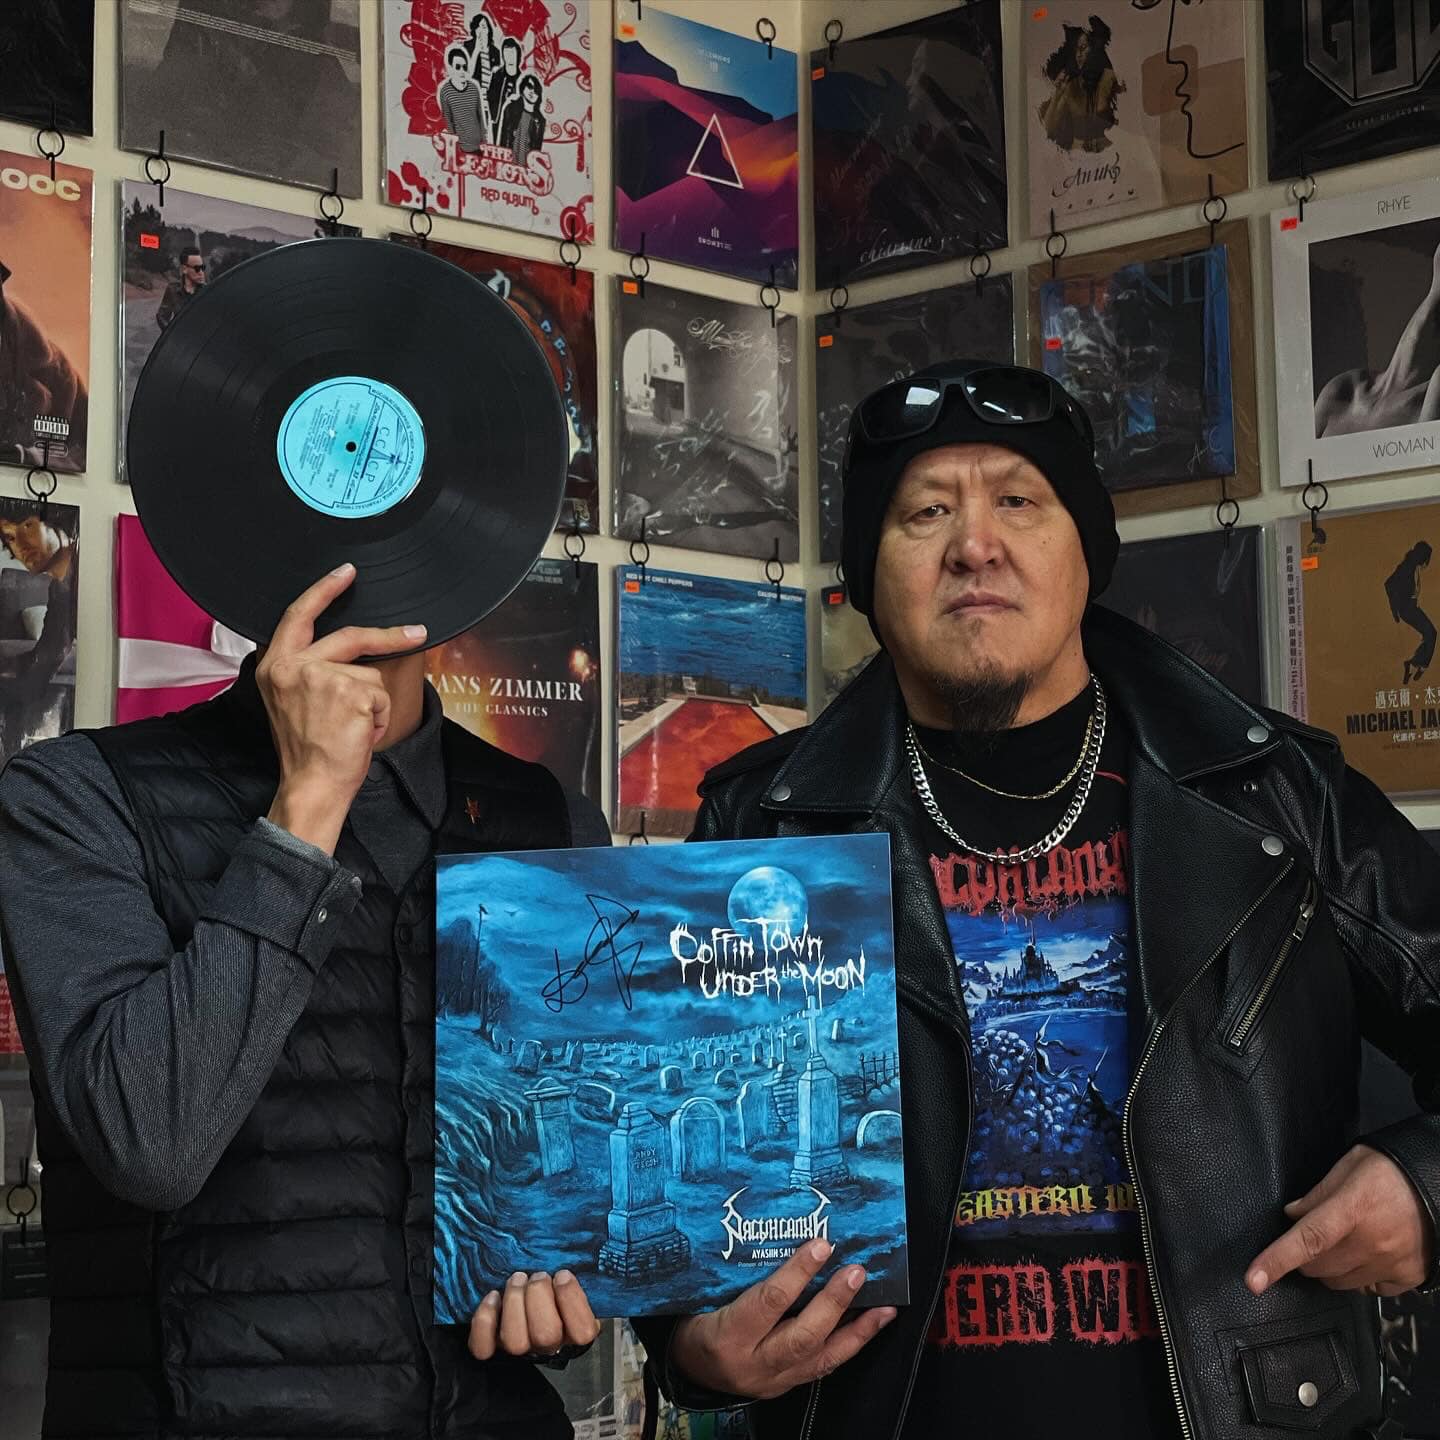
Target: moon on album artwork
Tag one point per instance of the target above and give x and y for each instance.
(768, 893)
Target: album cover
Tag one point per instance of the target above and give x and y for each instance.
(706, 667)
(672, 1422)
(1359, 606)
(44, 312)
(592, 1386)
(1132, 105)
(1154, 339)
(47, 56)
(271, 90)
(668, 1076)
(847, 643)
(707, 164)
(864, 347)
(527, 677)
(487, 112)
(1202, 594)
(908, 127)
(1349, 81)
(560, 316)
(707, 451)
(9, 1031)
(1357, 348)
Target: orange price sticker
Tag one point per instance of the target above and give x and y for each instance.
(1054, 343)
(632, 587)
(826, 341)
(1039, 14)
(630, 287)
(818, 73)
(1309, 562)
(1290, 222)
(836, 597)
(628, 31)
(149, 241)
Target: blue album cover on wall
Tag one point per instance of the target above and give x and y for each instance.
(666, 1068)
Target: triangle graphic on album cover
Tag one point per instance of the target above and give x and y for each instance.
(712, 159)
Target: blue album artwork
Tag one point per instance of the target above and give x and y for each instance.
(666, 1068)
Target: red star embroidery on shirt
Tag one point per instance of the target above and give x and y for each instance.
(472, 809)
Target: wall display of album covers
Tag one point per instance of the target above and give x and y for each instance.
(560, 315)
(704, 668)
(1359, 608)
(1349, 81)
(47, 56)
(45, 231)
(707, 165)
(1202, 594)
(706, 420)
(1132, 105)
(1357, 333)
(487, 112)
(847, 643)
(864, 347)
(1156, 340)
(909, 142)
(271, 90)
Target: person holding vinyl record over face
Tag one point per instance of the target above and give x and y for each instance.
(218, 924)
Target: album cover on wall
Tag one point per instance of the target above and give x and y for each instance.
(44, 312)
(527, 677)
(706, 448)
(908, 126)
(47, 56)
(560, 315)
(1202, 594)
(271, 90)
(592, 1386)
(864, 347)
(847, 643)
(1349, 81)
(1359, 607)
(1132, 105)
(487, 112)
(707, 164)
(671, 1074)
(672, 1422)
(1357, 348)
(1155, 340)
(705, 667)
(9, 1031)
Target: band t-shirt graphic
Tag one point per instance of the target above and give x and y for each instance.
(1045, 1297)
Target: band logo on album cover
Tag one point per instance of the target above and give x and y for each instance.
(1344, 53)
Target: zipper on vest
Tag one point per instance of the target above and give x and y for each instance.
(1172, 1365)
(1250, 1016)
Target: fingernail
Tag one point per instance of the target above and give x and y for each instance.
(519, 1278)
(344, 569)
(415, 632)
(491, 1300)
(821, 1249)
(886, 1316)
(1258, 1280)
(856, 1278)
(563, 1277)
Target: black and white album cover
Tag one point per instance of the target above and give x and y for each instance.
(262, 87)
(47, 63)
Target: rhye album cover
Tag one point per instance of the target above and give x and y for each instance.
(44, 312)
(909, 142)
(487, 112)
(706, 424)
(706, 667)
(47, 56)
(267, 89)
(847, 643)
(1132, 105)
(707, 165)
(666, 1068)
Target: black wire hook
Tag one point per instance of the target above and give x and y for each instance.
(839, 299)
(575, 555)
(422, 212)
(1300, 196)
(638, 259)
(1213, 218)
(640, 834)
(332, 221)
(52, 129)
(1227, 512)
(775, 570)
(833, 39)
(566, 258)
(1317, 534)
(771, 305)
(643, 545)
(977, 271)
(158, 158)
(1050, 248)
(765, 29)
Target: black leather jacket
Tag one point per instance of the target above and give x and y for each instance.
(1269, 882)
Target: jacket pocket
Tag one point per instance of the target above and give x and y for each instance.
(1244, 1021)
(1299, 1383)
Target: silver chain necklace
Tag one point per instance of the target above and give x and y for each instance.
(1067, 821)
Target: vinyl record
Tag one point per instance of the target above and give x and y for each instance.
(347, 399)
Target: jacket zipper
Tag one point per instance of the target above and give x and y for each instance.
(1172, 1365)
(1245, 1026)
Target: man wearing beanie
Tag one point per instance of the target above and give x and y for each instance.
(1140, 928)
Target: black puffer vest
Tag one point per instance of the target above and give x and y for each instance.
(292, 1296)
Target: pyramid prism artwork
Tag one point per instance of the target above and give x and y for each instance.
(712, 159)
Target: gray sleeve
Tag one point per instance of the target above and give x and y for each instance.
(588, 825)
(149, 1058)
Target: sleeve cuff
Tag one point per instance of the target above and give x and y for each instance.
(657, 1335)
(1414, 1145)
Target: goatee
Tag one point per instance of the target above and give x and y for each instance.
(983, 704)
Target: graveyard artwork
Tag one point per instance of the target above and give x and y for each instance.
(666, 1068)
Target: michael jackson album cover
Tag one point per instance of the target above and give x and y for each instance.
(267, 89)
(527, 677)
(44, 312)
(908, 127)
(665, 1068)
(705, 667)
(559, 313)
(487, 112)
(47, 56)
(847, 643)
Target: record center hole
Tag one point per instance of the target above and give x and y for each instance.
(350, 446)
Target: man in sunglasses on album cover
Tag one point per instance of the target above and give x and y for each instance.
(1141, 927)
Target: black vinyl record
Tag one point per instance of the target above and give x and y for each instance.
(347, 399)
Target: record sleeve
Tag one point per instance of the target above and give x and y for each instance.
(908, 129)
(706, 667)
(592, 1386)
(271, 90)
(862, 348)
(1132, 107)
(847, 643)
(44, 312)
(9, 1031)
(487, 112)
(47, 56)
(707, 164)
(527, 677)
(669, 1075)
(1359, 610)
